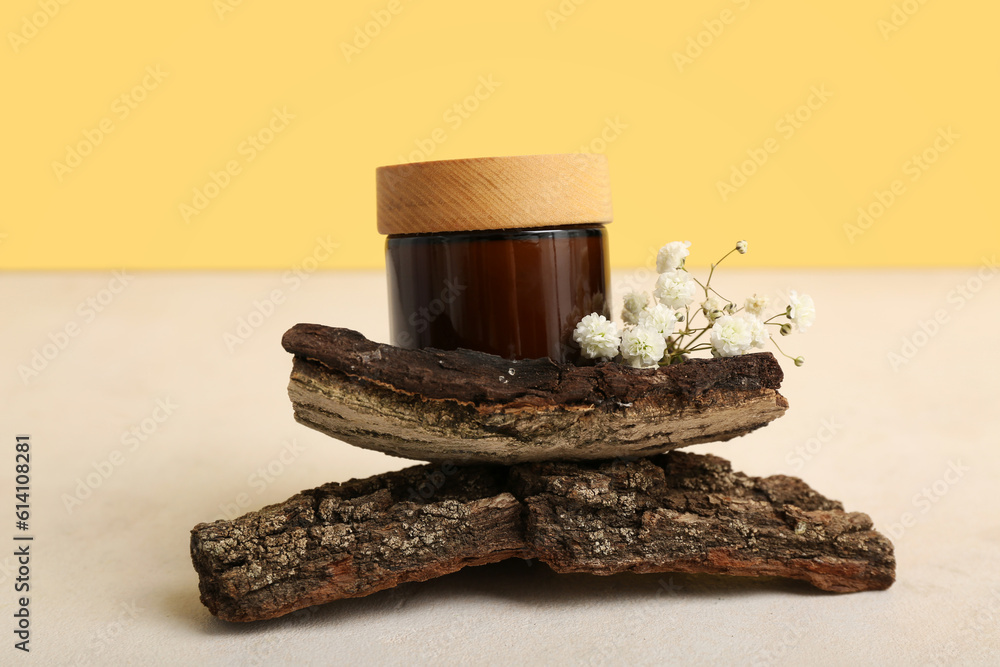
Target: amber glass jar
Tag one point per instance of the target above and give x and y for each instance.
(501, 255)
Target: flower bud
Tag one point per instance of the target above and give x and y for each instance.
(741, 247)
(712, 309)
(786, 329)
(730, 308)
(799, 361)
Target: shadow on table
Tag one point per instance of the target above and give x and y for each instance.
(514, 581)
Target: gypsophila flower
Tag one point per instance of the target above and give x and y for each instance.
(759, 334)
(597, 336)
(675, 289)
(642, 347)
(672, 325)
(671, 256)
(635, 302)
(802, 312)
(731, 336)
(658, 318)
(756, 305)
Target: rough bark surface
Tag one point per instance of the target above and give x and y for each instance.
(677, 512)
(467, 406)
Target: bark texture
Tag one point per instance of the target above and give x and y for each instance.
(467, 406)
(677, 512)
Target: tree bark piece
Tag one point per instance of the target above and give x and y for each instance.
(472, 407)
(677, 512)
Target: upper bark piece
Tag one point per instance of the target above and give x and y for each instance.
(470, 407)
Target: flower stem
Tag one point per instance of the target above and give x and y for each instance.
(720, 296)
(782, 351)
(697, 337)
(705, 286)
(687, 327)
(712, 271)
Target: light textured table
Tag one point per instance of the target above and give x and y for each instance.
(111, 578)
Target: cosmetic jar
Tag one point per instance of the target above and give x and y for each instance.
(501, 255)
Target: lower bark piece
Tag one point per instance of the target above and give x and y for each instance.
(676, 512)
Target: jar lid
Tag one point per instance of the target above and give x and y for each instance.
(493, 193)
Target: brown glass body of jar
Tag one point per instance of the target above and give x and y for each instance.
(516, 293)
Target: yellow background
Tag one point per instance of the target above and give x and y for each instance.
(561, 83)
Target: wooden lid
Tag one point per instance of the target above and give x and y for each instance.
(493, 193)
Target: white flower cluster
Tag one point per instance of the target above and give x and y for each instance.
(672, 255)
(651, 336)
(736, 334)
(675, 288)
(801, 312)
(597, 336)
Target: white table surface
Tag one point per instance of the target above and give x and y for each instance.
(112, 582)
